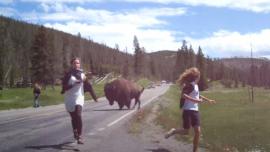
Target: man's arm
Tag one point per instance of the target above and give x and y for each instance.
(88, 88)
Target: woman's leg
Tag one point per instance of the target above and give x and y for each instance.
(77, 123)
(78, 110)
(174, 131)
(74, 124)
(197, 132)
(186, 126)
(195, 120)
(181, 131)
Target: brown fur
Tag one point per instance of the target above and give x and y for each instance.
(123, 91)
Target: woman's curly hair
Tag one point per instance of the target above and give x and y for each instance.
(188, 76)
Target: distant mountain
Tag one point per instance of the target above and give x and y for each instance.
(243, 63)
(165, 62)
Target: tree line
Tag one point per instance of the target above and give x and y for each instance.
(32, 53)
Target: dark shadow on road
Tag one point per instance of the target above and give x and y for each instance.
(158, 150)
(63, 146)
(110, 109)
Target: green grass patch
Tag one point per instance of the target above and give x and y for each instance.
(144, 82)
(23, 97)
(232, 124)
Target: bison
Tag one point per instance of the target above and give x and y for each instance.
(123, 91)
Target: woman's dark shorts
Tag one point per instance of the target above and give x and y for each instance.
(191, 118)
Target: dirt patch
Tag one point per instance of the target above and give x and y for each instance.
(143, 125)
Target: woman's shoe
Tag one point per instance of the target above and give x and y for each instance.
(170, 133)
(80, 141)
(76, 135)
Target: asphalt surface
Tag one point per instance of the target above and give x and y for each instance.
(48, 129)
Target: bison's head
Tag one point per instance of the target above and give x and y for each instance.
(141, 91)
(109, 92)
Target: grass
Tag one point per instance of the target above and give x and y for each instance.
(23, 97)
(144, 82)
(15, 98)
(233, 124)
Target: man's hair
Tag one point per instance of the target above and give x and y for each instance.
(189, 75)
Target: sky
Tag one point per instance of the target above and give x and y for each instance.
(223, 28)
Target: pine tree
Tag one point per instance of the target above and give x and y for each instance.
(39, 59)
(153, 67)
(52, 58)
(138, 55)
(264, 74)
(92, 68)
(202, 67)
(180, 63)
(9, 62)
(64, 55)
(191, 57)
(2, 52)
(210, 69)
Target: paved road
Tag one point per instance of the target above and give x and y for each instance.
(49, 128)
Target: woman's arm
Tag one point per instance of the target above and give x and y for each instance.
(207, 99)
(192, 99)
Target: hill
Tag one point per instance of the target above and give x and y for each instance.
(165, 62)
(244, 63)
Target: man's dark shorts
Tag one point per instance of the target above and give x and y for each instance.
(191, 118)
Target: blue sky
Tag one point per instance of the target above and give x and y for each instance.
(223, 28)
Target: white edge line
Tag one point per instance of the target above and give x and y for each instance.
(101, 129)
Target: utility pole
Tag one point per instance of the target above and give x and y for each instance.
(252, 74)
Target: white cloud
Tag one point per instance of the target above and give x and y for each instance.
(221, 44)
(144, 16)
(63, 1)
(111, 27)
(7, 11)
(121, 34)
(231, 43)
(5, 2)
(249, 5)
(119, 27)
(45, 7)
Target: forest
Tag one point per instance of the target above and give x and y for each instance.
(32, 53)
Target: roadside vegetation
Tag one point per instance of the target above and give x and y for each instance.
(144, 82)
(232, 124)
(14, 98)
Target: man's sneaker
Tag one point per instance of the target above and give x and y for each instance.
(170, 133)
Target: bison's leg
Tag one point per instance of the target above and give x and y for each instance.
(128, 104)
(120, 105)
(134, 104)
(137, 101)
(128, 101)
